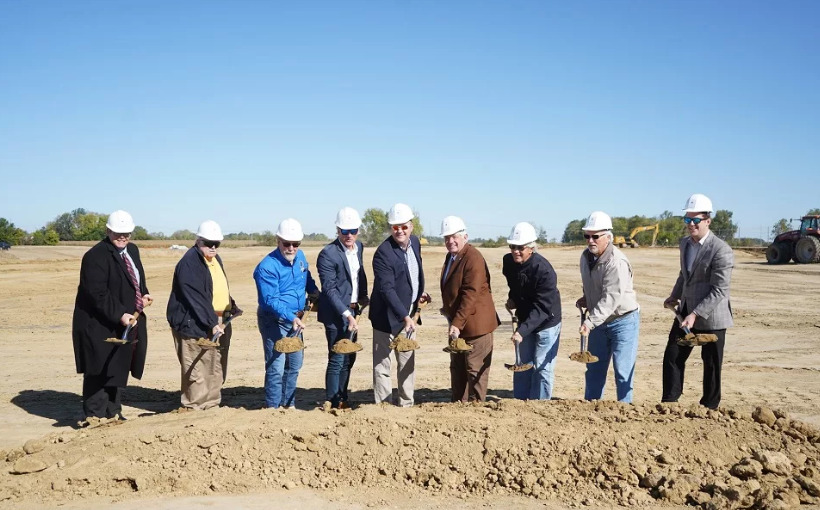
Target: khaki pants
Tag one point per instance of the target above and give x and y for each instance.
(469, 371)
(383, 356)
(203, 371)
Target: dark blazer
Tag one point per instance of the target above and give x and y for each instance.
(190, 308)
(337, 282)
(466, 296)
(105, 293)
(705, 291)
(391, 298)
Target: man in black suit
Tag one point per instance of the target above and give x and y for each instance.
(398, 289)
(344, 293)
(111, 295)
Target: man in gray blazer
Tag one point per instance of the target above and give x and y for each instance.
(702, 291)
(344, 294)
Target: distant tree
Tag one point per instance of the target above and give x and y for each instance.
(722, 225)
(11, 234)
(183, 235)
(317, 237)
(814, 211)
(781, 226)
(495, 243)
(157, 235)
(374, 227)
(140, 234)
(266, 238)
(79, 225)
(541, 234)
(572, 233)
(45, 236)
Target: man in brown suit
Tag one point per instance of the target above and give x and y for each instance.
(468, 307)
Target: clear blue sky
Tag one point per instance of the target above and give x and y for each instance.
(248, 112)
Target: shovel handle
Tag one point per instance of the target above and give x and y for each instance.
(130, 325)
(680, 319)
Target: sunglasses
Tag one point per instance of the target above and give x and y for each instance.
(348, 231)
(396, 228)
(517, 247)
(689, 220)
(593, 236)
(210, 244)
(117, 235)
(289, 244)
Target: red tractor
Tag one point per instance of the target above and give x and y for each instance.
(801, 245)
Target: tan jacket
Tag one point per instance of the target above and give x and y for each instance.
(608, 286)
(466, 294)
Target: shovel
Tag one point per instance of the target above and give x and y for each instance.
(124, 340)
(518, 366)
(350, 346)
(292, 342)
(455, 345)
(214, 342)
(408, 342)
(583, 356)
(690, 339)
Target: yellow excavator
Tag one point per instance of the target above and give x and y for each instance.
(630, 240)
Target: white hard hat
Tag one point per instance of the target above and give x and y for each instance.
(347, 218)
(209, 230)
(698, 203)
(399, 213)
(452, 224)
(522, 233)
(120, 222)
(290, 230)
(598, 220)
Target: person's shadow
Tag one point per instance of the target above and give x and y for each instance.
(65, 408)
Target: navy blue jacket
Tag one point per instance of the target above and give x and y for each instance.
(534, 290)
(392, 290)
(190, 308)
(337, 282)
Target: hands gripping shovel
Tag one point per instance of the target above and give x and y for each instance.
(292, 342)
(518, 366)
(408, 342)
(350, 345)
(690, 339)
(583, 356)
(133, 322)
(214, 341)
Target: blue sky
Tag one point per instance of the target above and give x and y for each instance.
(248, 112)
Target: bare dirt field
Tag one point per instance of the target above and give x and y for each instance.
(556, 454)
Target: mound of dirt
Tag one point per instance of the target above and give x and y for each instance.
(569, 452)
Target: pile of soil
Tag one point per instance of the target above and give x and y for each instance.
(561, 451)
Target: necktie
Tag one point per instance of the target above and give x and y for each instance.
(134, 281)
(450, 260)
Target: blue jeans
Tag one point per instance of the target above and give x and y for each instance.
(337, 375)
(281, 370)
(539, 348)
(616, 340)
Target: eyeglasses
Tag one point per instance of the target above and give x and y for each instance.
(348, 231)
(396, 228)
(117, 235)
(210, 244)
(593, 236)
(289, 244)
(696, 221)
(517, 247)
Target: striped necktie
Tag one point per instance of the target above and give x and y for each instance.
(134, 281)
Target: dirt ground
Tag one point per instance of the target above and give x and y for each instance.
(759, 450)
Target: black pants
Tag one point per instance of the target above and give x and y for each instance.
(99, 399)
(674, 364)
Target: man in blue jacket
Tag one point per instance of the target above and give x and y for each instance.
(344, 293)
(398, 290)
(200, 302)
(282, 278)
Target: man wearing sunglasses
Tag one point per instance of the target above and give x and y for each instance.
(112, 289)
(701, 293)
(199, 299)
(398, 290)
(467, 303)
(282, 281)
(344, 294)
(613, 322)
(537, 303)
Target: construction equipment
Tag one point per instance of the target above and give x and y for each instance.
(350, 345)
(518, 366)
(631, 241)
(801, 245)
(690, 339)
(583, 356)
(213, 343)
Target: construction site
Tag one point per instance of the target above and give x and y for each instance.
(759, 450)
